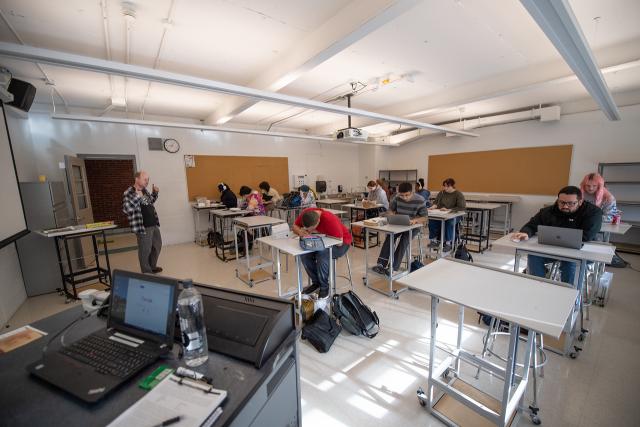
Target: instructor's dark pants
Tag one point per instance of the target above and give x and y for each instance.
(149, 246)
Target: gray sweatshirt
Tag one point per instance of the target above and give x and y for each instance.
(379, 196)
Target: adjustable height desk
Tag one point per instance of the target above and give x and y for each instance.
(592, 251)
(76, 277)
(291, 246)
(330, 203)
(443, 217)
(524, 302)
(393, 289)
(220, 218)
(247, 224)
(197, 210)
(478, 223)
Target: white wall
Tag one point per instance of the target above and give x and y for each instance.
(52, 139)
(594, 138)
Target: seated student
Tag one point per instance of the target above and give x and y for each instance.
(569, 211)
(308, 199)
(315, 220)
(447, 199)
(378, 195)
(270, 195)
(421, 191)
(252, 200)
(227, 197)
(594, 191)
(383, 184)
(404, 203)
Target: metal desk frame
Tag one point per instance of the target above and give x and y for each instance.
(443, 219)
(218, 218)
(264, 261)
(469, 235)
(392, 292)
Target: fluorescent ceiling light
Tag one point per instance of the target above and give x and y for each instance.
(85, 118)
(557, 21)
(53, 57)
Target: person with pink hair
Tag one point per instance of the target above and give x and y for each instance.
(594, 191)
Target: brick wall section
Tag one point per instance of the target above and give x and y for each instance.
(107, 180)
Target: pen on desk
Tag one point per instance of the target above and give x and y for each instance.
(169, 421)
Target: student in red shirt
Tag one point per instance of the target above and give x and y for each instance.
(319, 221)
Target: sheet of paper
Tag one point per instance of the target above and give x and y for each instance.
(18, 338)
(170, 399)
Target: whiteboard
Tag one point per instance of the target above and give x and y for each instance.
(12, 221)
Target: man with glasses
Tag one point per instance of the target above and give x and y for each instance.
(569, 211)
(406, 202)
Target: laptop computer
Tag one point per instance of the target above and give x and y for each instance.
(140, 329)
(560, 236)
(399, 219)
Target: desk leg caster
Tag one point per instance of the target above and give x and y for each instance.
(534, 415)
(574, 354)
(422, 397)
(581, 337)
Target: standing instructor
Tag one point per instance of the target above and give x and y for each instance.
(137, 204)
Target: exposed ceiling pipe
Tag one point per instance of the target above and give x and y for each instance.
(35, 54)
(47, 80)
(167, 24)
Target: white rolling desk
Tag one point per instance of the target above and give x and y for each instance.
(526, 302)
(591, 251)
(479, 223)
(291, 246)
(246, 224)
(330, 203)
(502, 199)
(197, 211)
(392, 230)
(220, 218)
(444, 216)
(608, 229)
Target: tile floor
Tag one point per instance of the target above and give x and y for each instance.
(372, 383)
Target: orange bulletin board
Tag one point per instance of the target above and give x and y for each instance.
(236, 171)
(535, 170)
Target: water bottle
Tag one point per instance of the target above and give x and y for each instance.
(194, 335)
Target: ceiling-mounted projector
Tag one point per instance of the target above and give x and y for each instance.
(352, 134)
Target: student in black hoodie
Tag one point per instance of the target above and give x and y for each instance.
(227, 197)
(569, 211)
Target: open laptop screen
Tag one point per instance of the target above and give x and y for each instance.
(143, 305)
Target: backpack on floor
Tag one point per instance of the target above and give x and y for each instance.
(462, 253)
(416, 264)
(214, 238)
(354, 316)
(321, 331)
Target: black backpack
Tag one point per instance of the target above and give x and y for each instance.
(321, 331)
(462, 253)
(354, 316)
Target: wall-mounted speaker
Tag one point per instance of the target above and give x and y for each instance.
(23, 94)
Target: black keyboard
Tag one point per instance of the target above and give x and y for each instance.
(107, 356)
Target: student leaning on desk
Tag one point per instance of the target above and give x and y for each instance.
(569, 211)
(449, 199)
(378, 195)
(316, 220)
(406, 202)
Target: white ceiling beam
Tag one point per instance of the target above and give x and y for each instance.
(556, 19)
(34, 54)
(435, 104)
(352, 23)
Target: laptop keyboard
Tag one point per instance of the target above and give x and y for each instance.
(108, 357)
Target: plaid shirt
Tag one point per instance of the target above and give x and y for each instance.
(131, 207)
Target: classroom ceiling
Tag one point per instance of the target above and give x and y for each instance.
(433, 60)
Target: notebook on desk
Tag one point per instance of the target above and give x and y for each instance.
(142, 312)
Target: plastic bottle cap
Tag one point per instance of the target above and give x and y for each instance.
(187, 283)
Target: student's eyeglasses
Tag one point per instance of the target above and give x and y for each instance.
(563, 203)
